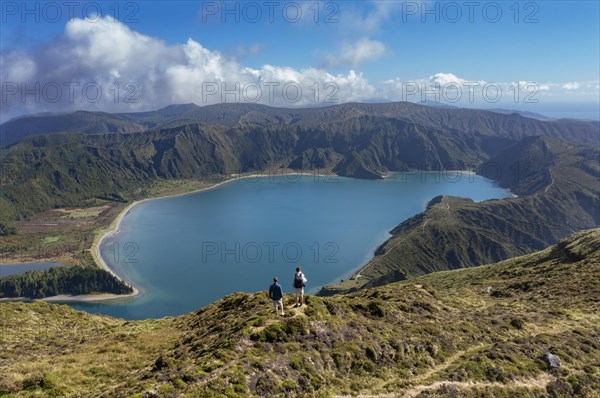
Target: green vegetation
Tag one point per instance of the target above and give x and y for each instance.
(115, 159)
(7, 229)
(66, 235)
(559, 194)
(473, 332)
(61, 280)
(51, 239)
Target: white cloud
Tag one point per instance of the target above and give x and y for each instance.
(16, 66)
(354, 54)
(152, 74)
(435, 81)
(108, 52)
(571, 86)
(446, 78)
(370, 22)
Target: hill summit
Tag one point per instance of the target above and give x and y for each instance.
(524, 327)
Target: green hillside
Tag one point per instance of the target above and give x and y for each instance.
(474, 332)
(554, 167)
(559, 193)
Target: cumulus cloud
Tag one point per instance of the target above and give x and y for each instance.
(445, 78)
(449, 88)
(107, 66)
(354, 54)
(571, 86)
(399, 88)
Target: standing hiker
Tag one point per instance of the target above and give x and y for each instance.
(276, 294)
(299, 283)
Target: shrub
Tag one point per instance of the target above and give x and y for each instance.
(376, 309)
(517, 324)
(371, 353)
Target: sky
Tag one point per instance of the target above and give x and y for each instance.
(538, 56)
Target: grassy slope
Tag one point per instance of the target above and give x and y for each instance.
(434, 334)
(559, 194)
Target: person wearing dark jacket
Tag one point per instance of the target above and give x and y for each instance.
(276, 294)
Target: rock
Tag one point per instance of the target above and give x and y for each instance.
(552, 360)
(487, 289)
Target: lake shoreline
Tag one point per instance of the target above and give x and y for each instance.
(116, 224)
(115, 227)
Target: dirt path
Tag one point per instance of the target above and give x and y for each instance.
(539, 382)
(420, 378)
(446, 364)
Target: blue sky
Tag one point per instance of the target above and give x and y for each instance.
(369, 49)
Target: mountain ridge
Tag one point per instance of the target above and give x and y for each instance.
(485, 122)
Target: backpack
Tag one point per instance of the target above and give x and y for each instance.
(298, 281)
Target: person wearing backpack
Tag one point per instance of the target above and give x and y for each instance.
(299, 284)
(276, 294)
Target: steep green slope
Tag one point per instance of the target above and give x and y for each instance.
(60, 170)
(358, 140)
(473, 332)
(561, 194)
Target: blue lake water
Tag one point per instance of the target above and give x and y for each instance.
(187, 251)
(14, 269)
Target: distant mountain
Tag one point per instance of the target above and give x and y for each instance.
(525, 327)
(531, 115)
(45, 171)
(435, 104)
(487, 123)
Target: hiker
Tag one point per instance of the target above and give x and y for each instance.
(299, 283)
(276, 294)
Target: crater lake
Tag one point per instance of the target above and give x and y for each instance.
(184, 252)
